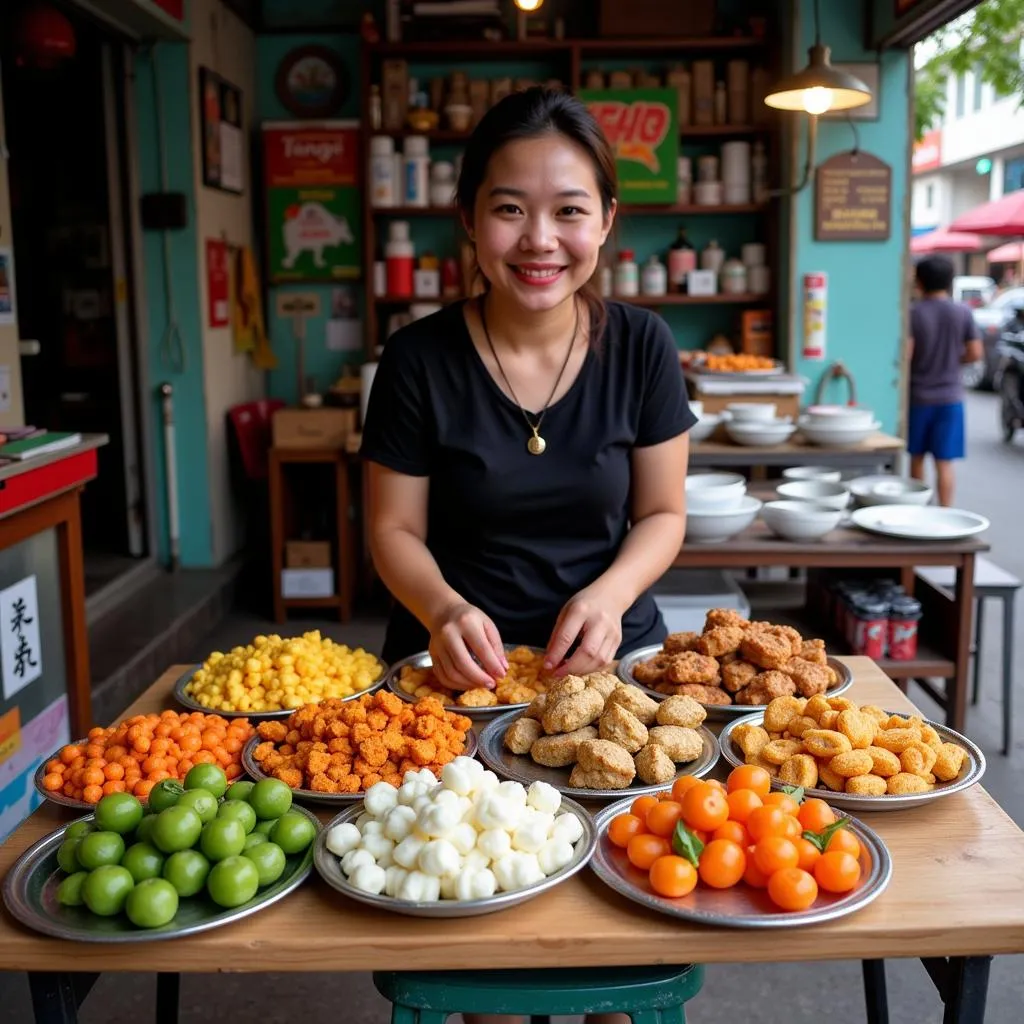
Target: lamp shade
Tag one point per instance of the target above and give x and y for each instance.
(819, 87)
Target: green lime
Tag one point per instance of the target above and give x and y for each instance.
(269, 860)
(118, 812)
(187, 870)
(79, 828)
(69, 892)
(165, 794)
(210, 777)
(143, 861)
(67, 855)
(239, 790)
(264, 827)
(223, 837)
(152, 903)
(233, 881)
(240, 811)
(270, 798)
(99, 848)
(202, 801)
(144, 833)
(254, 839)
(106, 889)
(293, 832)
(177, 828)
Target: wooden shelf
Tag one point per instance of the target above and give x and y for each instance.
(698, 131)
(611, 47)
(689, 209)
(691, 300)
(483, 49)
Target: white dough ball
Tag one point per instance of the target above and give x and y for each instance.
(458, 777)
(514, 792)
(487, 781)
(463, 837)
(449, 886)
(407, 852)
(343, 838)
(504, 871)
(567, 826)
(363, 820)
(544, 798)
(354, 858)
(409, 790)
(493, 810)
(379, 847)
(370, 878)
(439, 819)
(554, 855)
(394, 877)
(494, 842)
(399, 823)
(439, 858)
(475, 860)
(475, 885)
(420, 888)
(530, 836)
(373, 828)
(527, 870)
(380, 798)
(427, 778)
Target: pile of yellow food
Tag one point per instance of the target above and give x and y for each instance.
(275, 674)
(738, 363)
(523, 681)
(830, 742)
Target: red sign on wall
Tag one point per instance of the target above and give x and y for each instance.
(218, 283)
(175, 8)
(305, 155)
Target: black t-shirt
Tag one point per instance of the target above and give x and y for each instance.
(517, 534)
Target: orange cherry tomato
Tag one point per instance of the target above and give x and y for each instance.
(662, 818)
(735, 832)
(784, 802)
(807, 854)
(753, 875)
(641, 805)
(843, 840)
(715, 783)
(682, 785)
(793, 829)
(766, 821)
(773, 853)
(643, 850)
(742, 802)
(705, 807)
(672, 876)
(815, 814)
(722, 864)
(623, 827)
(837, 871)
(750, 776)
(792, 889)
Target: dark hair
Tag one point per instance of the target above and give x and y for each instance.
(526, 115)
(935, 274)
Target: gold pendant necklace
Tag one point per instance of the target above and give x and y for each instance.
(536, 445)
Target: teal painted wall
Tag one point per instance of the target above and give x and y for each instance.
(171, 60)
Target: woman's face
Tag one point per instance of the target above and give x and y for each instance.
(538, 223)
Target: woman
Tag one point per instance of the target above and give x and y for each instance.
(527, 448)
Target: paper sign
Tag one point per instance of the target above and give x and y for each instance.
(815, 314)
(7, 314)
(20, 649)
(217, 283)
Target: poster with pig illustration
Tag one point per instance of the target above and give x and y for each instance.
(313, 200)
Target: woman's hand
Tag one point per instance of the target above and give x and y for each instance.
(460, 634)
(595, 618)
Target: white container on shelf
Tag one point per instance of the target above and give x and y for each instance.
(736, 195)
(708, 193)
(753, 254)
(416, 176)
(733, 278)
(736, 163)
(654, 277)
(382, 171)
(627, 275)
(712, 257)
(759, 280)
(707, 168)
(442, 183)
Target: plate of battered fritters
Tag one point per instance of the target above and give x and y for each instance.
(596, 737)
(734, 664)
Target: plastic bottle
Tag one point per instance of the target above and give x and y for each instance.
(682, 258)
(400, 257)
(442, 183)
(733, 277)
(417, 171)
(382, 171)
(759, 173)
(654, 277)
(712, 257)
(627, 275)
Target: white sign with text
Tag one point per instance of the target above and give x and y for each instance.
(20, 650)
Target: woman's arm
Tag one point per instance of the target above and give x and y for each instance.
(658, 514)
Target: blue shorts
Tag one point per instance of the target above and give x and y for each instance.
(937, 430)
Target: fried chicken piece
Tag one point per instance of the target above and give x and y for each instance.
(580, 778)
(373, 751)
(567, 713)
(654, 766)
(559, 751)
(652, 671)
(478, 697)
(566, 687)
(814, 652)
(703, 694)
(322, 783)
(766, 649)
(680, 744)
(725, 617)
(799, 770)
(522, 734)
(738, 674)
(884, 763)
(692, 667)
(514, 693)
(263, 750)
(918, 759)
(606, 758)
(809, 677)
(273, 731)
(634, 699)
(765, 688)
(537, 706)
(720, 640)
(799, 725)
(858, 728)
(291, 777)
(826, 743)
(421, 751)
(678, 643)
(318, 762)
(272, 761)
(683, 711)
(621, 726)
(780, 751)
(949, 761)
(603, 682)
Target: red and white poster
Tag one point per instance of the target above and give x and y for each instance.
(218, 283)
(815, 314)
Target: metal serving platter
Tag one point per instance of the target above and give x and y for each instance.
(718, 712)
(309, 796)
(187, 702)
(58, 797)
(521, 768)
(742, 906)
(971, 772)
(423, 660)
(774, 371)
(30, 894)
(330, 870)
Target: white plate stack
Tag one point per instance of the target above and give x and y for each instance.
(736, 172)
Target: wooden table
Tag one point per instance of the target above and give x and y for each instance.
(878, 452)
(955, 899)
(850, 548)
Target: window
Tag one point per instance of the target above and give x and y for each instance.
(929, 196)
(1013, 175)
(961, 95)
(978, 83)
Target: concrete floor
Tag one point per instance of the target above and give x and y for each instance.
(992, 482)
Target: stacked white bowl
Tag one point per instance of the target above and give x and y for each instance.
(706, 422)
(889, 489)
(717, 507)
(755, 424)
(826, 474)
(800, 521)
(818, 492)
(835, 426)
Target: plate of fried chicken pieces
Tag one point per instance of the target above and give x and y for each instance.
(734, 663)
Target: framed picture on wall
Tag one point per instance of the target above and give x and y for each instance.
(869, 73)
(223, 133)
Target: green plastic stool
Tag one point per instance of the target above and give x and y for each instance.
(650, 995)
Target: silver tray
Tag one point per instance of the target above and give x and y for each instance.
(58, 797)
(719, 712)
(423, 660)
(520, 767)
(971, 772)
(186, 701)
(309, 796)
(330, 870)
(30, 894)
(741, 906)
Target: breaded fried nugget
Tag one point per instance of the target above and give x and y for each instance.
(603, 682)
(318, 762)
(826, 743)
(780, 751)
(478, 697)
(514, 693)
(521, 735)
(903, 783)
(537, 706)
(852, 763)
(677, 643)
(817, 706)
(884, 763)
(702, 694)
(684, 711)
(291, 777)
(737, 674)
(580, 778)
(691, 667)
(829, 779)
(724, 617)
(875, 712)
(720, 640)
(781, 711)
(566, 687)
(896, 740)
(634, 699)
(652, 671)
(273, 731)
(918, 759)
(263, 750)
(949, 761)
(858, 728)
(765, 687)
(931, 737)
(866, 785)
(680, 744)
(765, 649)
(799, 725)
(842, 704)
(559, 751)
(605, 756)
(621, 726)
(829, 719)
(799, 770)
(809, 677)
(751, 740)
(814, 651)
(654, 766)
(571, 712)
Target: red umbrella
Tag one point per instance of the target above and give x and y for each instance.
(944, 240)
(1010, 252)
(1004, 216)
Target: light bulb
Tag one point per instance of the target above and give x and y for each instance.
(529, 5)
(817, 99)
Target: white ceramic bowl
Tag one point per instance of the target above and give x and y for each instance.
(800, 520)
(840, 415)
(697, 408)
(716, 527)
(758, 434)
(888, 489)
(823, 473)
(819, 492)
(704, 427)
(712, 492)
(751, 412)
(836, 435)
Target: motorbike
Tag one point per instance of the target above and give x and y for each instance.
(1009, 378)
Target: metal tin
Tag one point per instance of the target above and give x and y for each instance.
(330, 871)
(520, 768)
(309, 796)
(186, 701)
(970, 773)
(423, 660)
(742, 906)
(718, 712)
(30, 894)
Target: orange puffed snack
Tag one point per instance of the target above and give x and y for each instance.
(348, 746)
(738, 363)
(135, 755)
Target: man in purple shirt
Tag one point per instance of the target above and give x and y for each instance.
(942, 338)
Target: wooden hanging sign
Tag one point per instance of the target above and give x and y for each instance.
(853, 199)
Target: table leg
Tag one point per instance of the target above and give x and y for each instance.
(979, 620)
(1008, 673)
(168, 989)
(962, 982)
(956, 708)
(876, 999)
(56, 995)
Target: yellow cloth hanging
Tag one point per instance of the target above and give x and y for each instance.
(249, 328)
